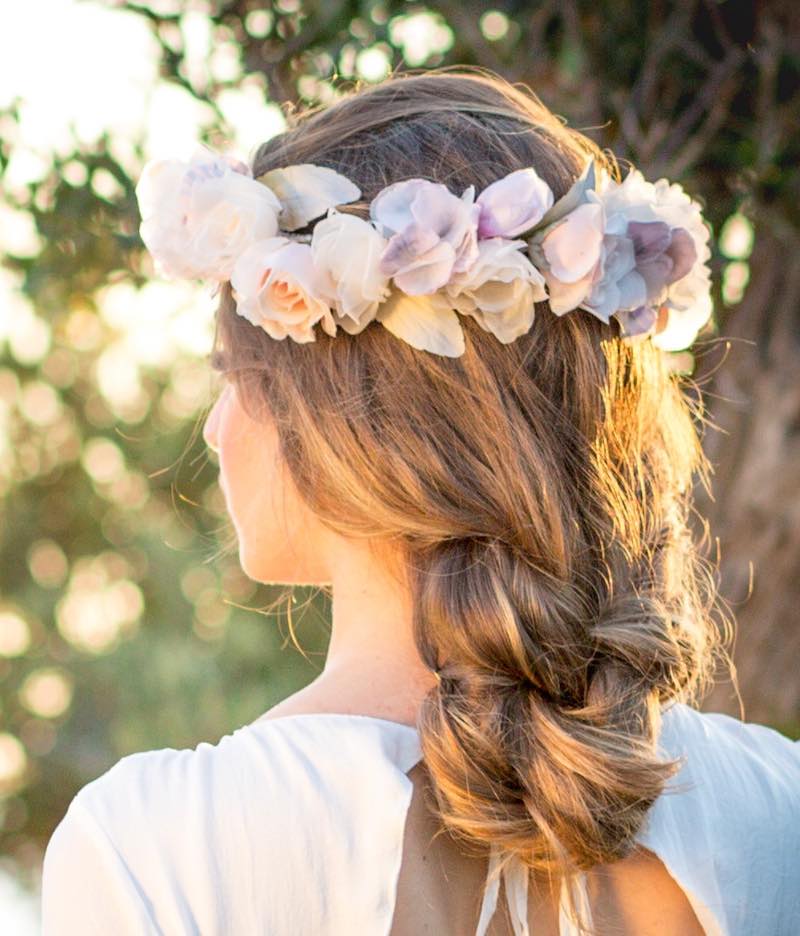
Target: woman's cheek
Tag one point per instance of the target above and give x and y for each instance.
(230, 437)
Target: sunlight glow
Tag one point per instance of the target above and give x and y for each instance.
(18, 234)
(13, 764)
(47, 692)
(66, 102)
(101, 604)
(421, 36)
(251, 118)
(94, 83)
(15, 635)
(47, 563)
(27, 334)
(159, 321)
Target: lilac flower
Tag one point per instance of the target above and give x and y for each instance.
(431, 232)
(654, 258)
(514, 204)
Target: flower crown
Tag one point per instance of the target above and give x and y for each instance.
(635, 250)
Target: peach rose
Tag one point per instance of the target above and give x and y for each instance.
(277, 287)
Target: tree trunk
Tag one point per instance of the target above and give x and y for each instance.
(754, 400)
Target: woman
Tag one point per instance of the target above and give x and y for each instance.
(483, 450)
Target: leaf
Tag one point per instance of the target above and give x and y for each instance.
(574, 197)
(306, 191)
(427, 323)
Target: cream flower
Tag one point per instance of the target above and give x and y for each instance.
(276, 287)
(198, 216)
(432, 233)
(347, 252)
(500, 289)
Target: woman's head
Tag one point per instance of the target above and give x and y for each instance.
(538, 493)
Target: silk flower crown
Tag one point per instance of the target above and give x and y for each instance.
(635, 250)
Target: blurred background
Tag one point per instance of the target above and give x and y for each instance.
(125, 621)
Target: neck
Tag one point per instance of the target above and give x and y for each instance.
(373, 666)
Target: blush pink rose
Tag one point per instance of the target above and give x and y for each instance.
(573, 253)
(276, 287)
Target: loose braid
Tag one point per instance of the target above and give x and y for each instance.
(540, 493)
(556, 643)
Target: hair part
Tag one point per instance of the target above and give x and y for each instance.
(540, 493)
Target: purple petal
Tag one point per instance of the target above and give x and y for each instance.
(406, 247)
(428, 272)
(467, 250)
(682, 252)
(636, 321)
(391, 207)
(656, 272)
(437, 208)
(663, 254)
(650, 238)
(513, 204)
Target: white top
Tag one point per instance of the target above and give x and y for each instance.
(293, 826)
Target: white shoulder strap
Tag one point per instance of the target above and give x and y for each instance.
(516, 879)
(490, 892)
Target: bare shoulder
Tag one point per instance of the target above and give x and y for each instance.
(638, 895)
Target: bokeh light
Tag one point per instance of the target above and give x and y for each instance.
(101, 605)
(15, 634)
(47, 563)
(373, 64)
(47, 692)
(13, 763)
(421, 36)
(494, 25)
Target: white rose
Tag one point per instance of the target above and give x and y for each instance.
(347, 252)
(198, 216)
(499, 289)
(276, 287)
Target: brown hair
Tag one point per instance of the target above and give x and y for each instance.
(540, 492)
